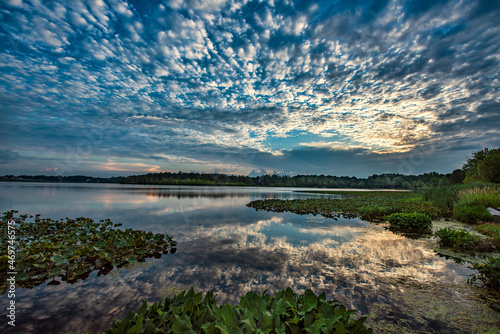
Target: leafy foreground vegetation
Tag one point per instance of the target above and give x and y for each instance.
(286, 312)
(488, 273)
(71, 249)
(369, 205)
(410, 221)
(459, 240)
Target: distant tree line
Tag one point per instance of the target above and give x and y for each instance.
(60, 179)
(382, 181)
(483, 166)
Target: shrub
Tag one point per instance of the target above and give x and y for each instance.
(488, 273)
(471, 212)
(286, 312)
(411, 221)
(460, 240)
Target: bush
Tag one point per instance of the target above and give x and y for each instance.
(286, 312)
(471, 213)
(460, 240)
(488, 273)
(411, 221)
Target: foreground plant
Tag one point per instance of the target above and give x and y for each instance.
(459, 240)
(410, 221)
(286, 312)
(488, 273)
(71, 249)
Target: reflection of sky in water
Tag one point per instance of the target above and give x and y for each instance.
(223, 245)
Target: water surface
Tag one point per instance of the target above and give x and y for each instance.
(230, 248)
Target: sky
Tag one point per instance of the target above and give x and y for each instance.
(347, 88)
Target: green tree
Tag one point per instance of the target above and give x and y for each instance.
(472, 164)
(489, 168)
(420, 184)
(457, 176)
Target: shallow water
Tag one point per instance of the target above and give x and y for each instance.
(230, 248)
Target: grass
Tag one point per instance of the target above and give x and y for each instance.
(468, 202)
(489, 230)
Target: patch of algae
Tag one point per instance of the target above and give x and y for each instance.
(437, 308)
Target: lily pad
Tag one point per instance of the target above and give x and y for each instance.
(73, 248)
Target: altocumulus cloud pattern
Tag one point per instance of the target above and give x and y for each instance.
(334, 87)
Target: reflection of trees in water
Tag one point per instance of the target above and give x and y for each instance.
(212, 195)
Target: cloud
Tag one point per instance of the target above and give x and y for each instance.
(7, 156)
(385, 76)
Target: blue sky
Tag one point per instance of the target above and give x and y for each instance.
(297, 87)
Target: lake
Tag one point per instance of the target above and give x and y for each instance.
(228, 247)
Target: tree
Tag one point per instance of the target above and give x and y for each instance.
(489, 168)
(470, 167)
(489, 161)
(457, 176)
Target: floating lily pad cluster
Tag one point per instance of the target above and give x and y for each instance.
(369, 205)
(73, 248)
(286, 312)
(410, 221)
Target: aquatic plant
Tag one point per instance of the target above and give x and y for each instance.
(72, 248)
(488, 273)
(369, 205)
(286, 312)
(410, 221)
(460, 240)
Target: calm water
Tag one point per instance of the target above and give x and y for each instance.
(230, 248)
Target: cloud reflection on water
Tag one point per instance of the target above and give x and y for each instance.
(232, 249)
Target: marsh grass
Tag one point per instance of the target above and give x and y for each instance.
(489, 230)
(468, 201)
